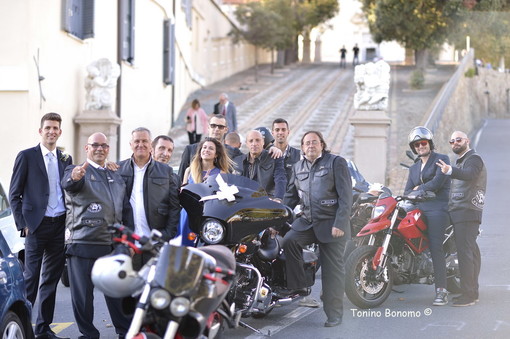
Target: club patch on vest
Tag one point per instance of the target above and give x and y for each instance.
(94, 208)
(479, 199)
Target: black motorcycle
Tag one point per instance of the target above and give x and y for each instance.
(179, 293)
(234, 211)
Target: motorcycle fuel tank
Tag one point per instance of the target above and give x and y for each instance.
(413, 229)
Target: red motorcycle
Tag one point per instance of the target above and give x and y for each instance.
(396, 252)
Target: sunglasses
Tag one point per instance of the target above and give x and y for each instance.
(220, 127)
(420, 143)
(457, 139)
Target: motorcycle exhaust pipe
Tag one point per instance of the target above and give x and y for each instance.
(284, 301)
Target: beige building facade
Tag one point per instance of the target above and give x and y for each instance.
(43, 65)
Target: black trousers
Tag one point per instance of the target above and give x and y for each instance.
(44, 252)
(82, 294)
(470, 260)
(332, 268)
(437, 221)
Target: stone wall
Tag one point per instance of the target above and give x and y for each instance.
(469, 102)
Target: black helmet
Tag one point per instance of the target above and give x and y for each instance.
(266, 134)
(420, 133)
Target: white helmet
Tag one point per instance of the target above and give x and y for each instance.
(420, 133)
(114, 276)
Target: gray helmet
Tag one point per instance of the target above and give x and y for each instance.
(266, 134)
(114, 276)
(420, 133)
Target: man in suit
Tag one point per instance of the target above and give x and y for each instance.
(258, 165)
(228, 110)
(291, 155)
(321, 183)
(37, 202)
(152, 190)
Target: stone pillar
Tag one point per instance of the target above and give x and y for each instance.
(92, 121)
(371, 132)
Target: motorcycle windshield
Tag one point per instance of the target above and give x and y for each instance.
(179, 269)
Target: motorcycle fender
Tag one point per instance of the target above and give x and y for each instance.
(374, 227)
(377, 258)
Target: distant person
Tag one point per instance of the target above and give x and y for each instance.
(228, 110)
(355, 59)
(233, 140)
(162, 148)
(37, 202)
(258, 165)
(291, 155)
(196, 122)
(343, 53)
(467, 199)
(95, 199)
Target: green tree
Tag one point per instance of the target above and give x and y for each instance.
(261, 27)
(417, 24)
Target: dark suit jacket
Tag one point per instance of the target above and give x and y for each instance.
(29, 191)
(231, 115)
(430, 179)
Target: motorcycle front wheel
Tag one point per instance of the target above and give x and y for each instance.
(362, 286)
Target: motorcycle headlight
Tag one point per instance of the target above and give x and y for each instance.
(213, 232)
(179, 306)
(377, 211)
(160, 299)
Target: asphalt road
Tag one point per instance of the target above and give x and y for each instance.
(408, 311)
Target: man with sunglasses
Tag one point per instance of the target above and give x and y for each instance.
(424, 175)
(467, 197)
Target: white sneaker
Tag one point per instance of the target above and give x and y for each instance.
(309, 302)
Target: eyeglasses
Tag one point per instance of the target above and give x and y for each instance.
(220, 127)
(457, 139)
(420, 143)
(311, 142)
(96, 146)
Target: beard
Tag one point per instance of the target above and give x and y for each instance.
(460, 149)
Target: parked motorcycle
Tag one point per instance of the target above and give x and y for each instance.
(179, 292)
(395, 252)
(234, 211)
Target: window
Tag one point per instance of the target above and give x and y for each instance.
(127, 30)
(78, 18)
(187, 6)
(168, 52)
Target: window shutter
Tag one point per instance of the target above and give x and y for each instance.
(79, 18)
(88, 19)
(127, 30)
(168, 52)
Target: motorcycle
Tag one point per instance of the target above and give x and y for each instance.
(179, 292)
(234, 211)
(395, 252)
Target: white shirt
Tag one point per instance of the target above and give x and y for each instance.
(61, 209)
(136, 201)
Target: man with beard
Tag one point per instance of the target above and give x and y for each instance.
(467, 197)
(321, 184)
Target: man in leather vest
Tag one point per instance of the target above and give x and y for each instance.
(467, 196)
(321, 184)
(95, 198)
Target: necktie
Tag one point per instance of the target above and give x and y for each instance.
(224, 112)
(52, 180)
